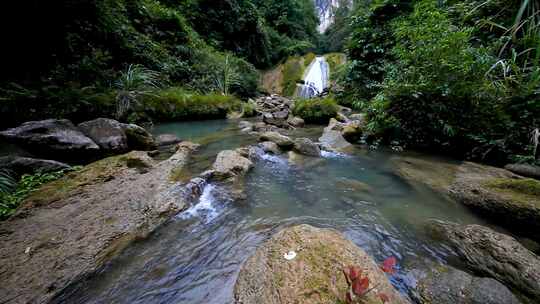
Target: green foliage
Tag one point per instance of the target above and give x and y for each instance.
(11, 199)
(316, 110)
(7, 182)
(249, 109)
(175, 104)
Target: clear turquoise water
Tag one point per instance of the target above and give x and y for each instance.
(196, 257)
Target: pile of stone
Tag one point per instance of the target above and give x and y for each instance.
(277, 111)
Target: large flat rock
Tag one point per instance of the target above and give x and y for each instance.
(70, 228)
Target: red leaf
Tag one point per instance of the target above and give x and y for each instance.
(360, 286)
(354, 273)
(384, 298)
(388, 265)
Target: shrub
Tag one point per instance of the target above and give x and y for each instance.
(316, 110)
(178, 104)
(10, 200)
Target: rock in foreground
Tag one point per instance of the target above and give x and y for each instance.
(524, 170)
(70, 228)
(107, 133)
(447, 285)
(494, 254)
(314, 276)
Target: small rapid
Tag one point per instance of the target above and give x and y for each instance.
(316, 78)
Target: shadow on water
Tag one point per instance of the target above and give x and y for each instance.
(196, 256)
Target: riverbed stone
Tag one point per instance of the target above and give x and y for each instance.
(296, 122)
(163, 140)
(306, 147)
(230, 163)
(27, 165)
(446, 285)
(500, 195)
(270, 147)
(107, 133)
(493, 254)
(524, 170)
(138, 138)
(282, 141)
(71, 228)
(314, 276)
(57, 139)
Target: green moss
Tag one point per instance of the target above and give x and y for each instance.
(519, 189)
(317, 110)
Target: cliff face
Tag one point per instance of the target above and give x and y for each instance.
(326, 10)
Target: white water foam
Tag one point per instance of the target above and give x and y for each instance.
(330, 154)
(205, 207)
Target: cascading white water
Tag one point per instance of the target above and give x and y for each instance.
(316, 78)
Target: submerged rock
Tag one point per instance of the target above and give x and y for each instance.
(163, 140)
(54, 138)
(524, 170)
(80, 222)
(107, 133)
(313, 275)
(27, 165)
(506, 198)
(447, 285)
(282, 141)
(494, 254)
(307, 147)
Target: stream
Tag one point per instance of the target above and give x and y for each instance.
(196, 256)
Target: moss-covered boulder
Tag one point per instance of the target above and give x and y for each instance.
(314, 275)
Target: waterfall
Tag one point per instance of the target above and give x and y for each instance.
(316, 78)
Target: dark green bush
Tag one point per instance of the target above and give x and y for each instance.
(316, 110)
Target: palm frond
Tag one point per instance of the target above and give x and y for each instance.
(7, 181)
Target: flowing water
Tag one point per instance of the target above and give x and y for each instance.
(316, 78)
(196, 256)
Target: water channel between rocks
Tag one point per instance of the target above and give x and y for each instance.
(196, 256)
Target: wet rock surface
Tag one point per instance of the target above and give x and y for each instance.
(96, 212)
(314, 276)
(508, 199)
(447, 285)
(493, 254)
(306, 147)
(163, 140)
(282, 141)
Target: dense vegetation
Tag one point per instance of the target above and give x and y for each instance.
(316, 110)
(456, 76)
(65, 58)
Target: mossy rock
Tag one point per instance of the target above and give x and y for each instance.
(314, 276)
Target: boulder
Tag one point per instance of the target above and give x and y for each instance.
(230, 163)
(270, 147)
(307, 147)
(333, 140)
(524, 170)
(26, 165)
(359, 117)
(282, 141)
(167, 140)
(80, 222)
(447, 285)
(138, 138)
(352, 132)
(107, 133)
(296, 122)
(493, 254)
(53, 138)
(314, 275)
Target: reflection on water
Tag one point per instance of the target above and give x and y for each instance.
(196, 257)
